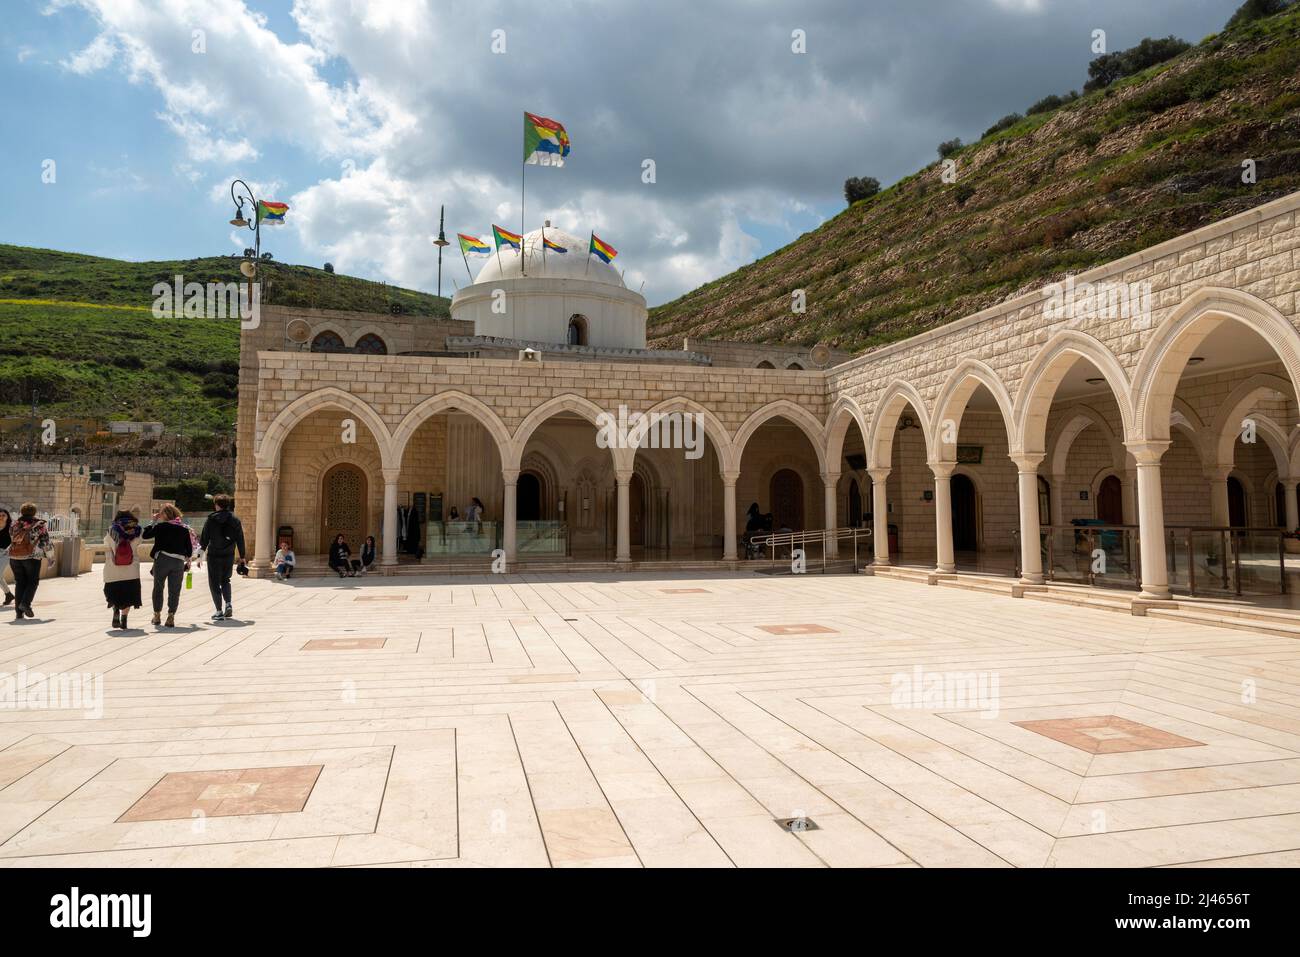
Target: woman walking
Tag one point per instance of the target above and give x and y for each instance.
(29, 547)
(174, 543)
(5, 540)
(122, 567)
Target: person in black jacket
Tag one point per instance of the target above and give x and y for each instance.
(341, 558)
(222, 538)
(173, 546)
(368, 554)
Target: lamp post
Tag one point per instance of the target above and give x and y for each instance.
(31, 439)
(239, 222)
(440, 242)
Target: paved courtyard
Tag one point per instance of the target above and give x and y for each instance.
(658, 721)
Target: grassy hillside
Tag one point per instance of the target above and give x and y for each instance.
(1119, 169)
(80, 331)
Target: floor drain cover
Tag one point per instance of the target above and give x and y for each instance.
(797, 824)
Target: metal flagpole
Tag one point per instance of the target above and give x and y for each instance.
(543, 249)
(523, 263)
(466, 259)
(589, 239)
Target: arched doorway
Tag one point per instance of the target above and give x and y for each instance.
(1044, 501)
(855, 505)
(343, 497)
(1279, 505)
(785, 492)
(1110, 501)
(636, 510)
(1236, 503)
(965, 524)
(528, 497)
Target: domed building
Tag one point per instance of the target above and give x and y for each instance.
(553, 297)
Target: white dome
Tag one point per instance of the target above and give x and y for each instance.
(570, 265)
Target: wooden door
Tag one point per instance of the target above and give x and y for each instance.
(343, 507)
(1110, 501)
(786, 494)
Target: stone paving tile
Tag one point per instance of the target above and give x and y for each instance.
(658, 720)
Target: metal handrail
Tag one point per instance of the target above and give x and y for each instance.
(825, 536)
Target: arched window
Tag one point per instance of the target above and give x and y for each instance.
(795, 366)
(765, 365)
(371, 345)
(328, 342)
(577, 330)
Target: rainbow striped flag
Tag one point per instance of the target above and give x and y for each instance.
(554, 247)
(271, 213)
(471, 246)
(506, 238)
(546, 142)
(600, 248)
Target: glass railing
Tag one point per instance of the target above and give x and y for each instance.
(1092, 554)
(1206, 560)
(443, 539)
(541, 538)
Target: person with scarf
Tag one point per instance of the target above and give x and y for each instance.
(368, 554)
(29, 548)
(122, 566)
(174, 543)
(5, 541)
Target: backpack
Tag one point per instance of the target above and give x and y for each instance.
(21, 545)
(124, 553)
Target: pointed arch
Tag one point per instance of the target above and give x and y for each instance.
(961, 384)
(268, 449)
(1072, 422)
(1166, 353)
(783, 408)
(880, 440)
(845, 411)
(460, 402)
(1241, 400)
(713, 428)
(1044, 374)
(568, 402)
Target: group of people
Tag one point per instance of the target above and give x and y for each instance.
(341, 560)
(25, 547)
(175, 548)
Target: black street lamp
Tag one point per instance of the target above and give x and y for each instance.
(241, 223)
(440, 242)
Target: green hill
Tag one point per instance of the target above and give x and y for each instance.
(80, 331)
(1072, 184)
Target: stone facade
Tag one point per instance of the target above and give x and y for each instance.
(1005, 381)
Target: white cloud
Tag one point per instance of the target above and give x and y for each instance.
(94, 57)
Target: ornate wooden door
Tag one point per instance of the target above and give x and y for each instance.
(343, 507)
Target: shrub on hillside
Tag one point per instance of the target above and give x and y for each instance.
(1051, 102)
(948, 147)
(1008, 121)
(1253, 10)
(857, 188)
(1109, 67)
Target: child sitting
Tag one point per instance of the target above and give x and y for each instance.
(284, 562)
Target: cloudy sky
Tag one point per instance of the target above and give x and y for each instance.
(365, 115)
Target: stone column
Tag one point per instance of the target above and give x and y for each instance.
(509, 539)
(1031, 554)
(880, 515)
(1217, 476)
(1292, 512)
(1056, 498)
(1128, 496)
(623, 542)
(829, 481)
(1151, 518)
(729, 515)
(264, 543)
(943, 515)
(389, 555)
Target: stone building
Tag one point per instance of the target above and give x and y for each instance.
(1153, 397)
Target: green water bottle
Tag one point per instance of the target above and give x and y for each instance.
(189, 579)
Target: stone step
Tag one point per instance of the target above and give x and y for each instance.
(1261, 626)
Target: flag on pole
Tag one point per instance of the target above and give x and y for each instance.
(603, 250)
(506, 238)
(471, 246)
(272, 214)
(553, 246)
(546, 142)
